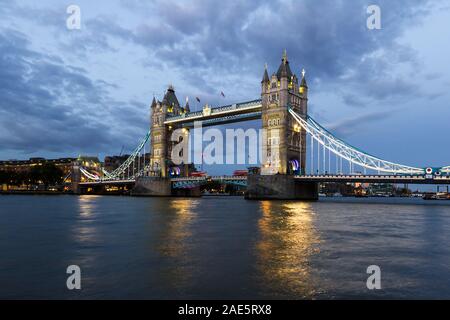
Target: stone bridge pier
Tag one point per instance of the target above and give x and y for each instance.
(161, 187)
(76, 179)
(280, 187)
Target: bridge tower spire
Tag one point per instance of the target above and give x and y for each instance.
(285, 141)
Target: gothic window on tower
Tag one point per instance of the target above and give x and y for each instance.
(273, 141)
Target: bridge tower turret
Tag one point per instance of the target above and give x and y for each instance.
(160, 133)
(303, 91)
(285, 140)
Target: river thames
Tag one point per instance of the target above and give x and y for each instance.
(223, 248)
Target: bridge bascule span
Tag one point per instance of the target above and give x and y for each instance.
(298, 151)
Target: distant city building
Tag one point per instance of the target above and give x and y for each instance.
(34, 174)
(89, 161)
(111, 163)
(20, 166)
(382, 189)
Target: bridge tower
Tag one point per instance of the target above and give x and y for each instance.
(160, 134)
(285, 140)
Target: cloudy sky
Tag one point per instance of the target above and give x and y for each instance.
(68, 92)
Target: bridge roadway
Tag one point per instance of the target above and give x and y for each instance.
(108, 182)
(344, 178)
(400, 179)
(180, 179)
(209, 178)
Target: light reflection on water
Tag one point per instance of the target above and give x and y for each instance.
(173, 242)
(180, 214)
(87, 205)
(287, 241)
(84, 230)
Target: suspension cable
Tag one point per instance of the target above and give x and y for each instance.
(348, 152)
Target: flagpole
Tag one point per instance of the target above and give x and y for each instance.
(198, 101)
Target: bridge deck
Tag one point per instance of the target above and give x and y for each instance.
(409, 179)
(214, 178)
(93, 183)
(230, 113)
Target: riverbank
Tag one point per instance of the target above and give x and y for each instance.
(30, 192)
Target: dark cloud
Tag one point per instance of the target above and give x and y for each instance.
(46, 105)
(44, 16)
(353, 100)
(327, 37)
(213, 46)
(353, 125)
(212, 40)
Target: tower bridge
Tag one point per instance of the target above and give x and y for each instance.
(298, 153)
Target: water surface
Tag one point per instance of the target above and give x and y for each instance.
(223, 247)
